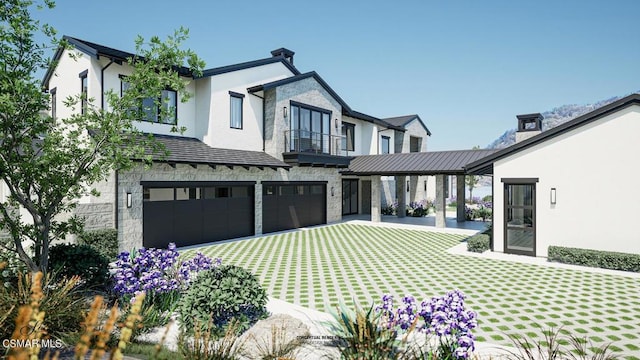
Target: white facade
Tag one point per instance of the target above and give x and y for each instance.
(594, 171)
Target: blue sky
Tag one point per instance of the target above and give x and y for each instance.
(466, 67)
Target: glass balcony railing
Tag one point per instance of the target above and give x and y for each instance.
(304, 141)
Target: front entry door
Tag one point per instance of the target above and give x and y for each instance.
(520, 218)
(349, 196)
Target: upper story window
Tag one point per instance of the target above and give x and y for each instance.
(165, 113)
(236, 110)
(84, 91)
(54, 100)
(348, 136)
(415, 144)
(384, 144)
(310, 129)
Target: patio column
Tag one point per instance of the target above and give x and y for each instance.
(376, 187)
(460, 197)
(401, 194)
(257, 196)
(441, 206)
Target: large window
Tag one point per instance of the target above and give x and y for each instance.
(165, 113)
(348, 136)
(84, 91)
(384, 144)
(236, 110)
(310, 129)
(415, 144)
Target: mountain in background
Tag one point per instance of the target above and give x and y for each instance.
(553, 118)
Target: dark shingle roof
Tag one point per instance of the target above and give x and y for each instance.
(402, 121)
(485, 165)
(418, 163)
(185, 150)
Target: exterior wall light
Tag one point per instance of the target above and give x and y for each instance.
(284, 112)
(129, 201)
(407, 185)
(553, 196)
(333, 191)
(336, 122)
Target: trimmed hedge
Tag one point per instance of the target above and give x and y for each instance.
(68, 260)
(595, 258)
(105, 241)
(478, 243)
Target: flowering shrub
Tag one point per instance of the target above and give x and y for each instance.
(444, 317)
(157, 271)
(419, 208)
(390, 209)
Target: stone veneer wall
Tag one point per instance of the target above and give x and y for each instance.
(96, 215)
(306, 91)
(130, 219)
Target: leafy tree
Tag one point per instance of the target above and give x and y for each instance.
(472, 180)
(49, 163)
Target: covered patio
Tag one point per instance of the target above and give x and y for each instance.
(401, 165)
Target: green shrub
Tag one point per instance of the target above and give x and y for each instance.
(105, 241)
(68, 260)
(221, 294)
(483, 213)
(478, 243)
(487, 198)
(595, 258)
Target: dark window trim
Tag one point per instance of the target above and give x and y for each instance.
(168, 184)
(388, 138)
(83, 74)
(518, 181)
(311, 107)
(241, 97)
(353, 132)
(54, 99)
(84, 101)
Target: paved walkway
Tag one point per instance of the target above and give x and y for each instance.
(318, 268)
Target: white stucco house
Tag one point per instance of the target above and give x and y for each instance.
(574, 185)
(264, 150)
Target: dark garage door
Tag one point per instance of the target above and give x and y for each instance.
(190, 214)
(293, 205)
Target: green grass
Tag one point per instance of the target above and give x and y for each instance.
(341, 262)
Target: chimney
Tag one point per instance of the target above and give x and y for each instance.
(285, 53)
(529, 125)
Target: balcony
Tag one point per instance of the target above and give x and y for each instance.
(308, 148)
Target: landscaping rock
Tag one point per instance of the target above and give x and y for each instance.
(280, 329)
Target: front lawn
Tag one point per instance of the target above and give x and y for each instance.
(320, 267)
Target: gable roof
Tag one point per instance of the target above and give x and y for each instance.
(485, 165)
(417, 163)
(346, 109)
(96, 50)
(403, 121)
(186, 150)
(250, 64)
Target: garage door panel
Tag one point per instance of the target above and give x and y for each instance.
(158, 224)
(196, 220)
(292, 206)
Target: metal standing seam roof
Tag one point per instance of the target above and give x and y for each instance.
(418, 163)
(186, 150)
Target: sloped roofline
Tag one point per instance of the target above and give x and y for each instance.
(485, 165)
(409, 119)
(119, 56)
(346, 109)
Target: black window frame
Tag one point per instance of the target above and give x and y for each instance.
(418, 140)
(346, 126)
(54, 100)
(384, 138)
(84, 91)
(311, 109)
(236, 96)
(160, 101)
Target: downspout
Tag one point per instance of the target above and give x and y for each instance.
(116, 202)
(102, 83)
